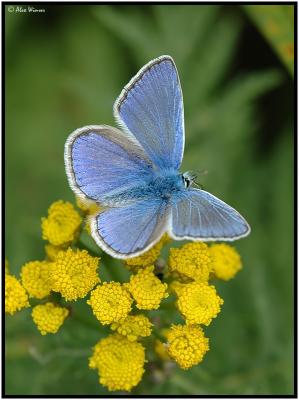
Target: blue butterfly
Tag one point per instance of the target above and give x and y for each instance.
(134, 173)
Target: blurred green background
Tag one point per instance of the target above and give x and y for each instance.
(64, 69)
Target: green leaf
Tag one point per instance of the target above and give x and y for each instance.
(276, 23)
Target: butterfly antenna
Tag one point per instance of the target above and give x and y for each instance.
(198, 185)
(203, 172)
(200, 172)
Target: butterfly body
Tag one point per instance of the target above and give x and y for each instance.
(160, 185)
(134, 172)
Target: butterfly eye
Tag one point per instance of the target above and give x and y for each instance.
(186, 181)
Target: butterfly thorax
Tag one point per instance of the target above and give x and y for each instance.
(164, 185)
(160, 185)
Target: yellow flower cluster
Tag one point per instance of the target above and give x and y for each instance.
(191, 262)
(187, 345)
(147, 290)
(198, 302)
(119, 358)
(62, 224)
(192, 266)
(133, 327)
(15, 295)
(119, 362)
(74, 273)
(148, 258)
(226, 261)
(49, 317)
(35, 276)
(110, 302)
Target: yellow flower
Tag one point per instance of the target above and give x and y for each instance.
(15, 295)
(119, 362)
(62, 224)
(187, 345)
(35, 276)
(133, 327)
(52, 251)
(87, 206)
(226, 261)
(198, 303)
(191, 261)
(147, 290)
(176, 286)
(49, 317)
(110, 302)
(147, 258)
(161, 350)
(74, 273)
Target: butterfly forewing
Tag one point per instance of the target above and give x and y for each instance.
(100, 161)
(151, 108)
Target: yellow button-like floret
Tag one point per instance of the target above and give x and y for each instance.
(161, 350)
(147, 290)
(110, 302)
(226, 261)
(87, 206)
(198, 302)
(35, 276)
(52, 251)
(74, 273)
(148, 258)
(15, 295)
(49, 317)
(62, 224)
(133, 326)
(119, 362)
(175, 286)
(187, 345)
(191, 261)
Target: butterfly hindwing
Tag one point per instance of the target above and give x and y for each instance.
(151, 109)
(128, 231)
(101, 161)
(198, 215)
